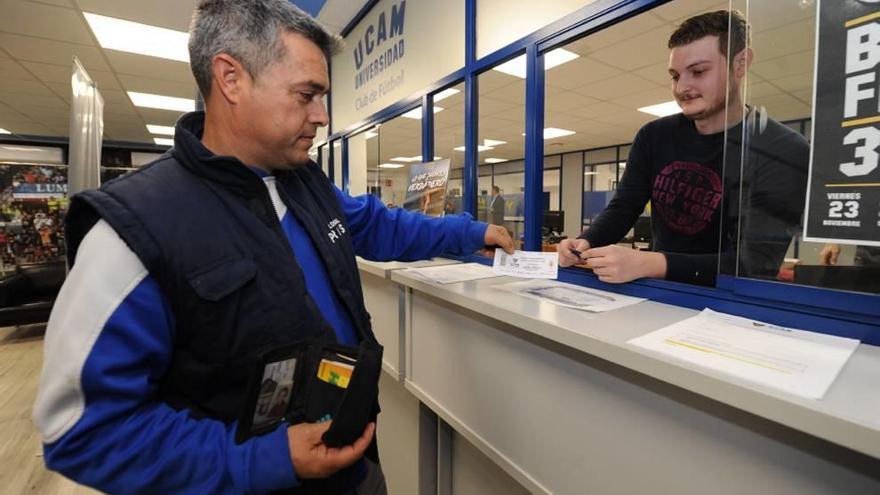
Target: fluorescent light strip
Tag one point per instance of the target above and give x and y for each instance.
(494, 160)
(143, 39)
(662, 109)
(162, 130)
(416, 113)
(554, 132)
(4, 131)
(407, 159)
(493, 142)
(392, 165)
(446, 93)
(553, 58)
(479, 148)
(162, 102)
(164, 141)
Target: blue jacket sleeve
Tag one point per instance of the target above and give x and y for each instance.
(384, 234)
(108, 343)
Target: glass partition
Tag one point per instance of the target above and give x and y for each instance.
(337, 162)
(363, 155)
(501, 146)
(619, 85)
(840, 249)
(399, 146)
(448, 139)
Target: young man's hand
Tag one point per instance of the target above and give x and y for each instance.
(568, 250)
(312, 459)
(830, 254)
(616, 265)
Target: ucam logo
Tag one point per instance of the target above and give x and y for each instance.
(388, 27)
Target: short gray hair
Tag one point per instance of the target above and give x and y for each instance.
(249, 31)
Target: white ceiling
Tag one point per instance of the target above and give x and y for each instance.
(620, 69)
(39, 38)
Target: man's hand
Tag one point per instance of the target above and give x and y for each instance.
(497, 235)
(830, 254)
(616, 265)
(566, 255)
(312, 459)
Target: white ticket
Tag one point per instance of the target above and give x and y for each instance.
(526, 264)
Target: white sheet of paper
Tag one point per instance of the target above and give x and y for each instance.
(450, 274)
(568, 295)
(526, 264)
(795, 361)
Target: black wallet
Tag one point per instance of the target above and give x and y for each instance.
(314, 382)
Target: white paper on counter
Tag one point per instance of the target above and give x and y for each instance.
(450, 274)
(795, 361)
(526, 264)
(568, 295)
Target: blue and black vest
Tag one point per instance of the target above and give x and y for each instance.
(205, 228)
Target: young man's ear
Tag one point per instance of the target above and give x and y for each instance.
(229, 77)
(741, 62)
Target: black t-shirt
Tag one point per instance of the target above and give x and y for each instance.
(683, 174)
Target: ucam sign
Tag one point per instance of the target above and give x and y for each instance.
(386, 28)
(381, 47)
(394, 52)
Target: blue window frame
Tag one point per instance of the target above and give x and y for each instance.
(834, 312)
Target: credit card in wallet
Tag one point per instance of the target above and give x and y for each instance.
(335, 372)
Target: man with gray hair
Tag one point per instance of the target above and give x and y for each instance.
(189, 274)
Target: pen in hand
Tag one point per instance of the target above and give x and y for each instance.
(575, 252)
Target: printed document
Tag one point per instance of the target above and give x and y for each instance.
(795, 361)
(450, 274)
(569, 296)
(526, 264)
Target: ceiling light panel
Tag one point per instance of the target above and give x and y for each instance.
(143, 39)
(162, 130)
(662, 109)
(553, 58)
(162, 102)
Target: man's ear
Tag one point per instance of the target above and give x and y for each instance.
(229, 77)
(742, 62)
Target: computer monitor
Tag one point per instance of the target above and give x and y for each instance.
(554, 221)
(642, 230)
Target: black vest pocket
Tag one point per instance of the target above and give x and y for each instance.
(221, 279)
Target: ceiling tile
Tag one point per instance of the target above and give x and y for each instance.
(158, 117)
(789, 65)
(617, 87)
(152, 67)
(17, 100)
(51, 73)
(579, 72)
(785, 40)
(159, 86)
(674, 11)
(52, 52)
(657, 73)
(617, 34)
(12, 69)
(172, 15)
(23, 87)
(636, 52)
(44, 21)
